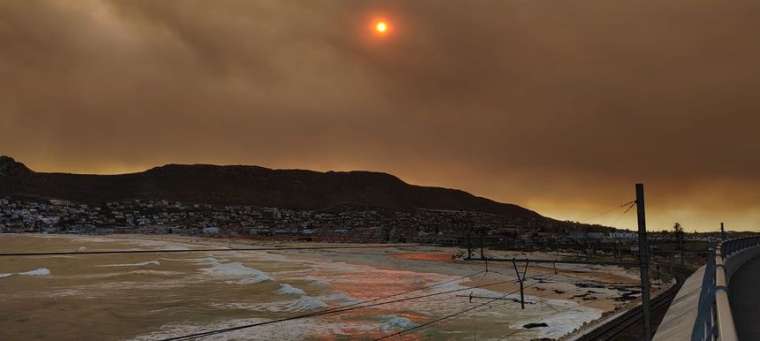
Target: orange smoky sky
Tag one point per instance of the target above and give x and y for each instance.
(559, 106)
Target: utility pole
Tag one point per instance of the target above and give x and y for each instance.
(643, 260)
(469, 243)
(722, 232)
(680, 245)
(521, 279)
(482, 243)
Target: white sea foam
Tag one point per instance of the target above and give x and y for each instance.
(36, 272)
(341, 298)
(395, 323)
(306, 303)
(568, 316)
(126, 273)
(152, 262)
(66, 293)
(287, 289)
(566, 322)
(103, 287)
(296, 330)
(159, 244)
(244, 281)
(302, 304)
(202, 261)
(246, 274)
(155, 272)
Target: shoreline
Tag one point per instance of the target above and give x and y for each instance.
(573, 286)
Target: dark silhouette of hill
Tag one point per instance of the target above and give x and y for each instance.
(246, 185)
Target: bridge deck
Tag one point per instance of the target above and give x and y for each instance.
(744, 295)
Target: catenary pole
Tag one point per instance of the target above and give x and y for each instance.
(722, 232)
(643, 260)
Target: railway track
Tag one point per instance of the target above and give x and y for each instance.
(621, 327)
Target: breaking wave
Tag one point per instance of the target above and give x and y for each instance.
(126, 273)
(246, 274)
(287, 289)
(341, 298)
(396, 323)
(307, 303)
(302, 304)
(152, 262)
(35, 272)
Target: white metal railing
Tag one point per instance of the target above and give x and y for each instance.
(724, 321)
(714, 318)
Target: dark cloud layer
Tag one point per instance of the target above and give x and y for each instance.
(557, 105)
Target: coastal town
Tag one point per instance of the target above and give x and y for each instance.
(341, 223)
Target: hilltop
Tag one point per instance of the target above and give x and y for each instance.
(248, 185)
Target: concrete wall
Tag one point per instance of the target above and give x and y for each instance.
(738, 259)
(678, 322)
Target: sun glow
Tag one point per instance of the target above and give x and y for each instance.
(381, 27)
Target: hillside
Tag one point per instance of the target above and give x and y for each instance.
(247, 185)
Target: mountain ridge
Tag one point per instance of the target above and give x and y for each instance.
(248, 185)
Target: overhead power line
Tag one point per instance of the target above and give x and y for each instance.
(552, 261)
(616, 208)
(408, 291)
(330, 311)
(452, 315)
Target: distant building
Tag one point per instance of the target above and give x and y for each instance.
(211, 231)
(623, 235)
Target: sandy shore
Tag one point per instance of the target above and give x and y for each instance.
(150, 296)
